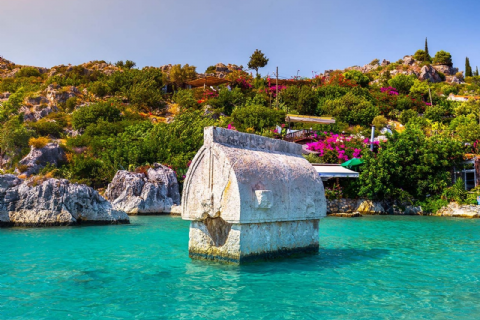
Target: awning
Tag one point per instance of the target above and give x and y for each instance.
(328, 171)
(308, 119)
(354, 162)
(208, 81)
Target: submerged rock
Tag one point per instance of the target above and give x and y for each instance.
(155, 191)
(52, 202)
(37, 159)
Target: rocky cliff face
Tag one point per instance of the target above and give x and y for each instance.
(39, 158)
(53, 202)
(155, 191)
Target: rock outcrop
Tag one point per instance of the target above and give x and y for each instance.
(55, 96)
(445, 69)
(430, 74)
(408, 60)
(369, 207)
(37, 159)
(53, 202)
(155, 191)
(456, 210)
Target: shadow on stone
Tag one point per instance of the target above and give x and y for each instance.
(218, 229)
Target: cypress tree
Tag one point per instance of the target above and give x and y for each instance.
(427, 55)
(468, 68)
(476, 72)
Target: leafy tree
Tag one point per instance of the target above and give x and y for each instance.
(130, 64)
(466, 127)
(211, 69)
(443, 57)
(13, 137)
(358, 77)
(11, 106)
(402, 83)
(375, 62)
(419, 88)
(421, 55)
(227, 100)
(410, 166)
(257, 60)
(257, 117)
(179, 75)
(351, 109)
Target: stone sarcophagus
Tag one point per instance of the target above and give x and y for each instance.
(251, 197)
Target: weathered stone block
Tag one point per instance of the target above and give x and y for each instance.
(249, 197)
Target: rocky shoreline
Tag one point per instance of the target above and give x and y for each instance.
(53, 202)
(351, 208)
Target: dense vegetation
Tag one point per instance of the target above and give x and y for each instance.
(126, 118)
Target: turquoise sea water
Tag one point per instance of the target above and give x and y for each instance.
(367, 268)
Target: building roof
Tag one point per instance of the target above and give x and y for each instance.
(328, 171)
(308, 119)
(208, 81)
(286, 82)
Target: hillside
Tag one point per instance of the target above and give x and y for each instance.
(109, 116)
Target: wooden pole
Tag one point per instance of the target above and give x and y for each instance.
(276, 90)
(430, 94)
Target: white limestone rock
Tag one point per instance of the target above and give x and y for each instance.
(455, 210)
(53, 202)
(155, 191)
(430, 74)
(37, 159)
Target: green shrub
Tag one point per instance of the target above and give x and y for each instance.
(39, 142)
(27, 72)
(406, 115)
(87, 115)
(185, 99)
(402, 83)
(456, 192)
(380, 122)
(70, 104)
(358, 77)
(227, 100)
(98, 88)
(442, 57)
(351, 109)
(43, 127)
(257, 117)
(432, 205)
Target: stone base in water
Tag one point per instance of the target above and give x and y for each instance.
(215, 239)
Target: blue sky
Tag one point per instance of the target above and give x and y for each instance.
(305, 35)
